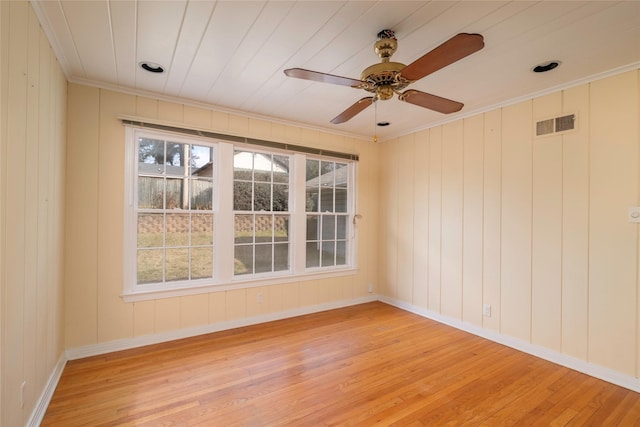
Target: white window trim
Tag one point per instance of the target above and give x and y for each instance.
(223, 227)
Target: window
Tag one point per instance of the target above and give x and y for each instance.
(261, 212)
(203, 213)
(174, 206)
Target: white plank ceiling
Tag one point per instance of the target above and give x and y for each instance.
(230, 55)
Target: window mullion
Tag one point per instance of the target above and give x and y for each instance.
(224, 218)
(298, 215)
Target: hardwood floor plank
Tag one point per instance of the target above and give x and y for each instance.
(365, 365)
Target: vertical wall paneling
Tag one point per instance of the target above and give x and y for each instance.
(435, 216)
(389, 223)
(575, 224)
(492, 218)
(546, 267)
(405, 225)
(451, 244)
(612, 240)
(32, 153)
(472, 244)
(81, 292)
(516, 221)
(13, 350)
(115, 319)
(421, 219)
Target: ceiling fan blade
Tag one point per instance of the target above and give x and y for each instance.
(454, 49)
(432, 102)
(316, 76)
(353, 110)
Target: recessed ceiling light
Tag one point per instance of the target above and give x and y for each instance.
(544, 67)
(383, 124)
(152, 67)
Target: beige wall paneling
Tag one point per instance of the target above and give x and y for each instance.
(283, 297)
(421, 220)
(546, 263)
(166, 314)
(309, 291)
(405, 228)
(575, 225)
(260, 129)
(115, 318)
(451, 244)
(143, 317)
(472, 243)
(81, 252)
(45, 258)
(492, 217)
(435, 215)
(258, 301)
(4, 89)
(146, 107)
(217, 307)
(32, 136)
(236, 304)
(219, 121)
(194, 310)
(613, 241)
(238, 125)
(516, 221)
(170, 112)
(198, 117)
(14, 341)
(389, 220)
(31, 213)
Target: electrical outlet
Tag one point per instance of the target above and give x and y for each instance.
(370, 288)
(486, 310)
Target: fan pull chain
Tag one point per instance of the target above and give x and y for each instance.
(375, 119)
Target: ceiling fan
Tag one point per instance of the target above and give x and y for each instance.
(386, 78)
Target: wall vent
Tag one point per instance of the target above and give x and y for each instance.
(556, 125)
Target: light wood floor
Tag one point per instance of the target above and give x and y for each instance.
(363, 365)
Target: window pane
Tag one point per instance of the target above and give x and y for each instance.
(149, 265)
(243, 165)
(326, 199)
(264, 255)
(241, 196)
(176, 160)
(201, 194)
(201, 229)
(243, 229)
(201, 263)
(341, 253)
(151, 157)
(312, 227)
(280, 197)
(150, 192)
(328, 227)
(176, 264)
(281, 228)
(281, 169)
(342, 227)
(177, 230)
(262, 197)
(263, 229)
(174, 193)
(313, 254)
(201, 161)
(280, 257)
(150, 227)
(243, 260)
(311, 199)
(312, 184)
(328, 252)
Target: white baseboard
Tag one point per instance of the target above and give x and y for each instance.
(128, 343)
(45, 397)
(570, 362)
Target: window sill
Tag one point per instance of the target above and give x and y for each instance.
(239, 283)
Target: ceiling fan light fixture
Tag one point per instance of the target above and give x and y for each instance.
(546, 66)
(152, 67)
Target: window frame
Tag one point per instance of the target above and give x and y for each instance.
(223, 211)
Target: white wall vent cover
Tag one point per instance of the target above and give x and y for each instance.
(556, 125)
